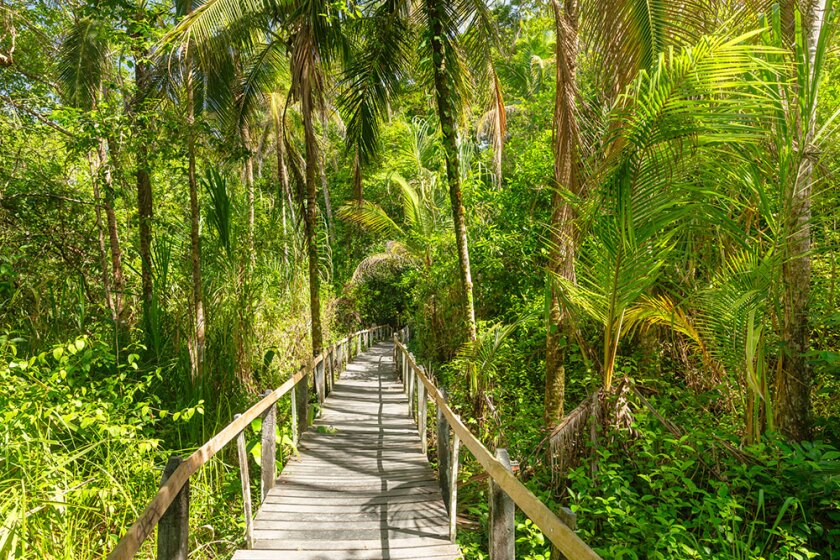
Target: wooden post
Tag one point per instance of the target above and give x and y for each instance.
(568, 517)
(502, 512)
(358, 344)
(422, 413)
(320, 381)
(293, 394)
(443, 453)
(453, 487)
(269, 449)
(174, 525)
(410, 387)
(245, 478)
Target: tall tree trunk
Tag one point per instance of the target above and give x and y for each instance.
(143, 179)
(562, 234)
(282, 179)
(311, 214)
(195, 241)
(245, 131)
(793, 382)
(445, 95)
(499, 127)
(326, 187)
(100, 229)
(113, 233)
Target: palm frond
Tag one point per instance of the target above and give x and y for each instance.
(371, 217)
(83, 62)
(372, 77)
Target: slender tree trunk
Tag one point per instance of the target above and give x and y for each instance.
(793, 382)
(249, 183)
(113, 233)
(195, 241)
(313, 160)
(358, 185)
(326, 187)
(283, 180)
(445, 95)
(499, 127)
(143, 181)
(100, 229)
(562, 234)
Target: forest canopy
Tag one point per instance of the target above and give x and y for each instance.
(611, 226)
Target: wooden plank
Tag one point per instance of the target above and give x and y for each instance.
(557, 532)
(428, 553)
(245, 479)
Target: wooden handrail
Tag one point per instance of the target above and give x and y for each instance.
(131, 541)
(557, 532)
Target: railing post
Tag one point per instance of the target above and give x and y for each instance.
(422, 413)
(568, 517)
(358, 344)
(294, 409)
(268, 453)
(302, 403)
(410, 388)
(502, 514)
(245, 478)
(443, 452)
(453, 486)
(174, 525)
(320, 381)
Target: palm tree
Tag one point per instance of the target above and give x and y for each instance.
(312, 32)
(793, 381)
(84, 61)
(454, 36)
(567, 183)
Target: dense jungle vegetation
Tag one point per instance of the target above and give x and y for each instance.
(611, 224)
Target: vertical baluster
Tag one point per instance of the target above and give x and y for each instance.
(502, 513)
(422, 413)
(269, 448)
(293, 394)
(453, 486)
(245, 479)
(174, 525)
(443, 452)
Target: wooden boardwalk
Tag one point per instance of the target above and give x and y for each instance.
(361, 489)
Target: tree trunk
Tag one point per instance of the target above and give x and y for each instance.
(249, 183)
(143, 180)
(100, 229)
(358, 185)
(283, 180)
(326, 188)
(113, 233)
(445, 94)
(195, 241)
(793, 382)
(311, 214)
(562, 234)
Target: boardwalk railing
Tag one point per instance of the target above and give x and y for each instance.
(505, 488)
(169, 509)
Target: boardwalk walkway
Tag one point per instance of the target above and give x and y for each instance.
(361, 488)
